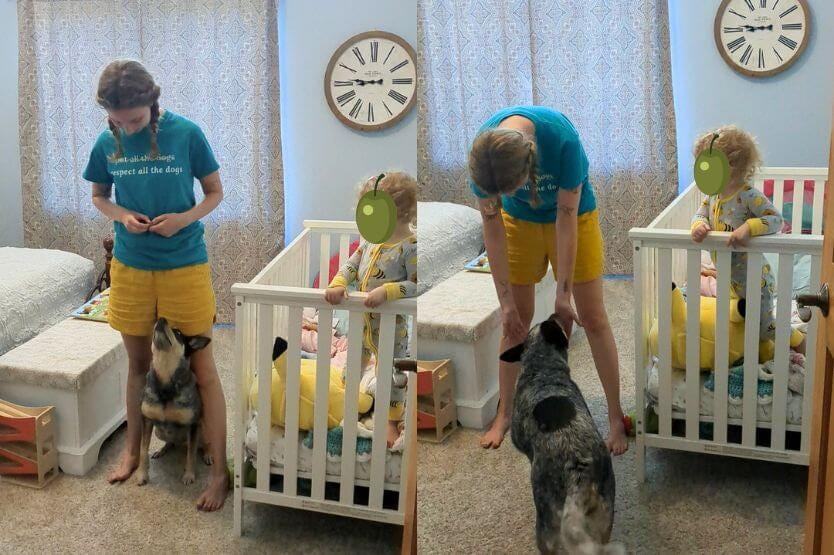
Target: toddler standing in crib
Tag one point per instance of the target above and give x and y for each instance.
(742, 210)
(386, 272)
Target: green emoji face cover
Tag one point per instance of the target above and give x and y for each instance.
(376, 215)
(712, 170)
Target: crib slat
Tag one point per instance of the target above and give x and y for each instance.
(779, 195)
(410, 430)
(344, 248)
(387, 329)
(354, 372)
(241, 413)
(321, 402)
(722, 347)
(780, 361)
(264, 355)
(642, 294)
(665, 342)
(810, 358)
(819, 203)
(693, 334)
(758, 183)
(324, 260)
(752, 320)
(292, 395)
(798, 199)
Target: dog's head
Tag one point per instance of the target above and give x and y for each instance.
(170, 346)
(547, 342)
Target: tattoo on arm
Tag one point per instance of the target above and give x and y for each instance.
(565, 285)
(567, 210)
(489, 216)
(504, 289)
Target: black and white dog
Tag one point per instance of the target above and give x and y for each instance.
(171, 402)
(571, 471)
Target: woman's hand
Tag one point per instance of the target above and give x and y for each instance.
(514, 331)
(168, 225)
(739, 237)
(565, 313)
(376, 297)
(135, 222)
(700, 232)
(334, 295)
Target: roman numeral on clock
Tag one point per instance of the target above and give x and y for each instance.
(345, 98)
(777, 54)
(347, 68)
(374, 50)
(787, 42)
(385, 61)
(763, 4)
(403, 81)
(761, 59)
(401, 98)
(738, 14)
(736, 44)
(750, 4)
(775, 4)
(390, 113)
(371, 112)
(342, 83)
(358, 55)
(788, 11)
(399, 65)
(792, 27)
(746, 56)
(354, 112)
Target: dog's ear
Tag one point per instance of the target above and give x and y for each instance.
(513, 354)
(554, 413)
(278, 348)
(194, 344)
(553, 333)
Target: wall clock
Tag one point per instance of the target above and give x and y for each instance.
(371, 80)
(759, 38)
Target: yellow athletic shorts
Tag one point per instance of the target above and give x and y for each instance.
(184, 296)
(531, 245)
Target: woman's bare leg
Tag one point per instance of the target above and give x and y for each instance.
(591, 311)
(139, 362)
(525, 300)
(214, 426)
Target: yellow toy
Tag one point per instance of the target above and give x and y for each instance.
(307, 392)
(707, 330)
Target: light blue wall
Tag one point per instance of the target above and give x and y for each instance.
(323, 159)
(789, 113)
(11, 216)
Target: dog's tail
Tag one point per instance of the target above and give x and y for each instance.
(581, 512)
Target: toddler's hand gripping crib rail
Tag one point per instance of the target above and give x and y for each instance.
(271, 305)
(665, 253)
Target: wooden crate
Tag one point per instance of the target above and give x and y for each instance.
(27, 445)
(436, 411)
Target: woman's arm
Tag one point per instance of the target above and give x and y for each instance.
(133, 221)
(495, 240)
(169, 224)
(566, 240)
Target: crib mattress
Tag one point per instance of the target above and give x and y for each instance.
(393, 459)
(735, 407)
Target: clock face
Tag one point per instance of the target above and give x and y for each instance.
(371, 81)
(761, 37)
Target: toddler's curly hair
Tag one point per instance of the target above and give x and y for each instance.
(403, 189)
(740, 147)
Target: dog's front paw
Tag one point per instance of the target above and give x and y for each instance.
(188, 478)
(141, 477)
(208, 459)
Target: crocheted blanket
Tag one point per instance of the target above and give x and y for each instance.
(334, 442)
(735, 384)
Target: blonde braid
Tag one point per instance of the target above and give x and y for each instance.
(154, 128)
(533, 176)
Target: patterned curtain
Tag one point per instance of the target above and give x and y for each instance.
(605, 64)
(216, 62)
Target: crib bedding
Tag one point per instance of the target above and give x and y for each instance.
(38, 288)
(735, 401)
(393, 457)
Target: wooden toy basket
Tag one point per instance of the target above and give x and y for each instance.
(27, 445)
(436, 411)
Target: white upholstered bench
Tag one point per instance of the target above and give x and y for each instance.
(460, 319)
(80, 368)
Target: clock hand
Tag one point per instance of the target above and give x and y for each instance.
(360, 82)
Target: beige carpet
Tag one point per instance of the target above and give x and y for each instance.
(87, 515)
(476, 501)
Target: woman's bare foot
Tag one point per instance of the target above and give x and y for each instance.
(125, 469)
(617, 441)
(214, 495)
(498, 429)
(393, 433)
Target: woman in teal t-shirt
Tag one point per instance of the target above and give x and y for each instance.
(527, 166)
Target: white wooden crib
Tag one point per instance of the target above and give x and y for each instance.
(664, 253)
(271, 305)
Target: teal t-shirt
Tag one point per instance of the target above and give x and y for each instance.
(155, 187)
(562, 164)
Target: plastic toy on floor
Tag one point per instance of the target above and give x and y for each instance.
(707, 331)
(307, 391)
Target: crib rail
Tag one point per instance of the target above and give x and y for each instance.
(666, 255)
